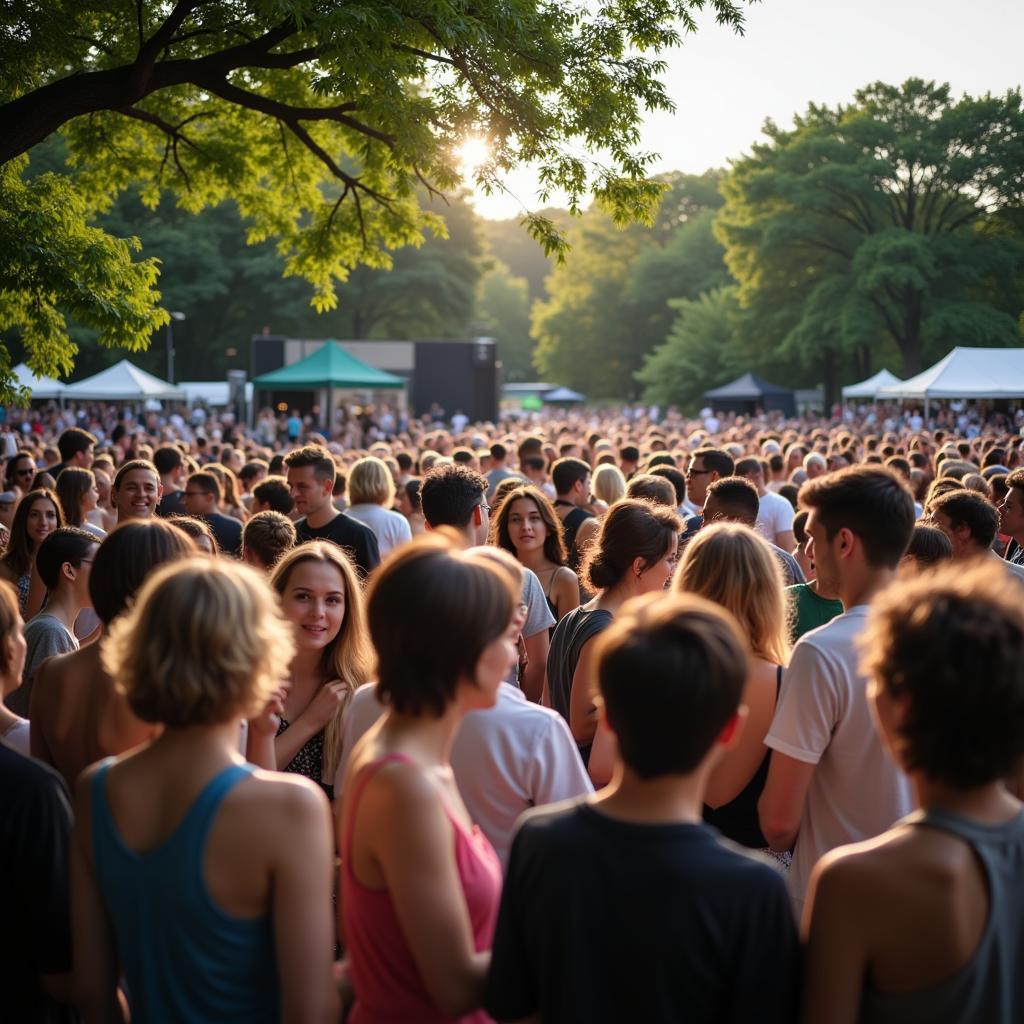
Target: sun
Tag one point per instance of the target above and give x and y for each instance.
(474, 152)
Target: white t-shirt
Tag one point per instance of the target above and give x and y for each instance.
(774, 516)
(390, 528)
(506, 759)
(822, 718)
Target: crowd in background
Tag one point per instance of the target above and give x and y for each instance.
(604, 716)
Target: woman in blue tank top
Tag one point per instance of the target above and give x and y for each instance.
(923, 924)
(203, 882)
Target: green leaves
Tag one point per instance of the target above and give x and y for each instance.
(325, 123)
(52, 263)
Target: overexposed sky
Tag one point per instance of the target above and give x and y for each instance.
(798, 51)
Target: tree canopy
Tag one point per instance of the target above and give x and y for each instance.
(888, 221)
(324, 122)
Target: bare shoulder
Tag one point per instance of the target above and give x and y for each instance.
(283, 793)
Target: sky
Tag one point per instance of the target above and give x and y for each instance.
(799, 51)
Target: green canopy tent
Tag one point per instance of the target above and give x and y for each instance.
(329, 367)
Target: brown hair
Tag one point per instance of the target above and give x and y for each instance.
(426, 594)
(10, 621)
(73, 484)
(554, 542)
(18, 557)
(267, 536)
(631, 529)
(128, 554)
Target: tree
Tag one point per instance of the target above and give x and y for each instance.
(704, 349)
(585, 335)
(503, 311)
(884, 219)
(612, 295)
(320, 120)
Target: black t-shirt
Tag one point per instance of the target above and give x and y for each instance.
(346, 532)
(172, 503)
(227, 532)
(35, 926)
(605, 920)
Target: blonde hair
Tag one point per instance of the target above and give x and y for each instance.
(228, 483)
(205, 641)
(370, 482)
(729, 564)
(608, 483)
(349, 657)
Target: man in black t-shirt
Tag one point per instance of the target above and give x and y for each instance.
(626, 906)
(35, 926)
(202, 496)
(571, 480)
(311, 474)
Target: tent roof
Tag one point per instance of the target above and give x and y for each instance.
(330, 366)
(749, 387)
(123, 382)
(41, 387)
(564, 395)
(966, 373)
(869, 388)
(211, 392)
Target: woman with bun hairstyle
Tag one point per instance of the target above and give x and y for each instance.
(202, 881)
(634, 553)
(730, 565)
(420, 883)
(321, 597)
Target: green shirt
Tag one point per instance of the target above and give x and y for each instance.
(808, 610)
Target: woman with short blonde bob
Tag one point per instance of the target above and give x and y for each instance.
(201, 880)
(321, 597)
(371, 491)
(729, 564)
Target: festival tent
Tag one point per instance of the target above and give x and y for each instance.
(869, 388)
(561, 396)
(965, 373)
(330, 366)
(749, 392)
(41, 387)
(123, 382)
(214, 393)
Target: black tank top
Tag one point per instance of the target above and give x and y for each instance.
(737, 820)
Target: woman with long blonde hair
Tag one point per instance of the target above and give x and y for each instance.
(321, 597)
(729, 564)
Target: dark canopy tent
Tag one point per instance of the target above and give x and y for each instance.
(329, 367)
(747, 393)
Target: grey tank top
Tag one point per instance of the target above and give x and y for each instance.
(989, 988)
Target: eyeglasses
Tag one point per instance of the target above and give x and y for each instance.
(697, 472)
(24, 472)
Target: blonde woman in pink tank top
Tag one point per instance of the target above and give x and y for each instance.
(420, 883)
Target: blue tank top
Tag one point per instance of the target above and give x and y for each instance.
(184, 959)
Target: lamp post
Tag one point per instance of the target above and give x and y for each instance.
(170, 344)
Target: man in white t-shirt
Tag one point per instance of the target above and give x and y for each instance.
(775, 514)
(506, 759)
(829, 780)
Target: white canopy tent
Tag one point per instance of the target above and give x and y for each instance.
(123, 382)
(966, 373)
(869, 388)
(213, 393)
(41, 387)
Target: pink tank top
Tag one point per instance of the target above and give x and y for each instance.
(388, 984)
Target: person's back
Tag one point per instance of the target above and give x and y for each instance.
(214, 876)
(923, 923)
(823, 717)
(654, 922)
(78, 715)
(627, 907)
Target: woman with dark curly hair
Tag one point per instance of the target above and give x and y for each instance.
(923, 922)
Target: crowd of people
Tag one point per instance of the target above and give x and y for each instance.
(604, 717)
